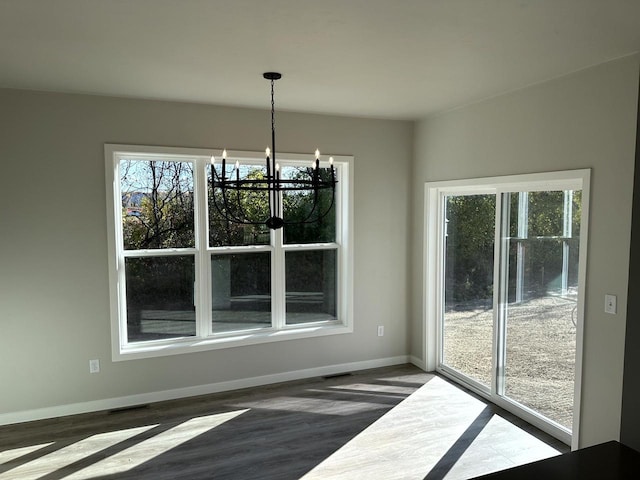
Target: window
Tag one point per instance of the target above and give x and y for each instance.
(184, 279)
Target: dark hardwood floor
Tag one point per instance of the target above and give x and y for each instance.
(283, 431)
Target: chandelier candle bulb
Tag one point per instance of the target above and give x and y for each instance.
(230, 191)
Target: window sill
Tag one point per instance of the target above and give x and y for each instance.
(238, 339)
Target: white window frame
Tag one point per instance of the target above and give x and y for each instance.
(434, 195)
(205, 339)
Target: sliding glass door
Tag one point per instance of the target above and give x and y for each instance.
(541, 252)
(467, 317)
(508, 282)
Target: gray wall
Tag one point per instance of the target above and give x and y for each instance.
(583, 120)
(54, 310)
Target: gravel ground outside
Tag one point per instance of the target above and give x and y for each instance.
(541, 347)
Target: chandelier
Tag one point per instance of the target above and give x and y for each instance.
(232, 191)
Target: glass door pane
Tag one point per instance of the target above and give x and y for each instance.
(541, 269)
(467, 321)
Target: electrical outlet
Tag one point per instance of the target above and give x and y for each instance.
(94, 366)
(610, 304)
(380, 330)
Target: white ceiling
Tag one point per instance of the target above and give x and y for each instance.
(400, 59)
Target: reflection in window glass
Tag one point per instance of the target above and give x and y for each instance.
(160, 297)
(241, 291)
(246, 205)
(544, 213)
(298, 206)
(157, 204)
(310, 286)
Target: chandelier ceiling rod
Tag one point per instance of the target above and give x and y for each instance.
(274, 219)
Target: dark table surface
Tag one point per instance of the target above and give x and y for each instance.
(609, 461)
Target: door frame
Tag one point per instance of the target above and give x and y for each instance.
(434, 193)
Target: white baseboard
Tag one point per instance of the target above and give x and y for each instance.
(144, 398)
(418, 362)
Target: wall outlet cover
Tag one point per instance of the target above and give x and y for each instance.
(94, 366)
(610, 302)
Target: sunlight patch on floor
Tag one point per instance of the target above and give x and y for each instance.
(317, 406)
(146, 450)
(69, 454)
(412, 438)
(14, 453)
(500, 445)
(377, 388)
(98, 444)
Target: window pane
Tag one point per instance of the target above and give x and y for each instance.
(247, 205)
(160, 297)
(241, 291)
(542, 302)
(157, 204)
(467, 335)
(543, 214)
(310, 286)
(298, 206)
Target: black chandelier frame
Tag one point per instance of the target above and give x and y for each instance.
(231, 208)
